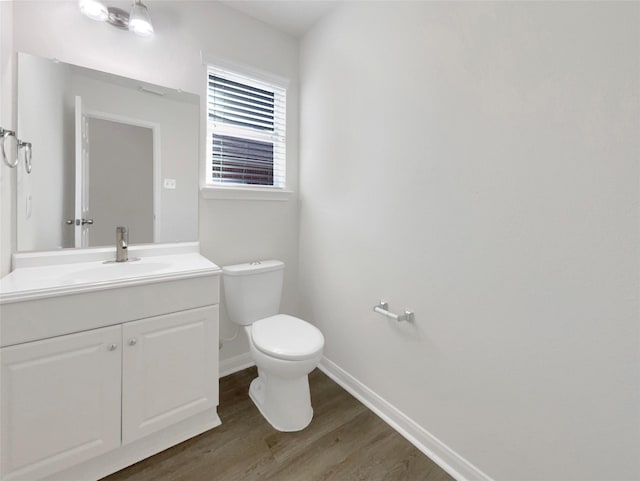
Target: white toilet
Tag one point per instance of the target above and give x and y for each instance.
(286, 349)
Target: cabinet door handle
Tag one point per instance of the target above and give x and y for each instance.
(133, 341)
(113, 347)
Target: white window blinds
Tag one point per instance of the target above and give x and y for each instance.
(245, 131)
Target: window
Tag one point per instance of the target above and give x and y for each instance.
(245, 131)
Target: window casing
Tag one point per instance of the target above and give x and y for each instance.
(246, 123)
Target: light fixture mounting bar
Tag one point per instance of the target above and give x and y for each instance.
(118, 18)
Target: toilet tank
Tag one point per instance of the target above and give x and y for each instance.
(252, 291)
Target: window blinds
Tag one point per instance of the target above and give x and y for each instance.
(246, 130)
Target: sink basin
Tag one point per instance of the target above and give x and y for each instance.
(122, 270)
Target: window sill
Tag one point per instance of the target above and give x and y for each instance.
(245, 193)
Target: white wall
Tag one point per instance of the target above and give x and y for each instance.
(479, 163)
(172, 58)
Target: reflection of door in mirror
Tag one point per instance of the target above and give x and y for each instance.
(80, 222)
(120, 173)
(113, 178)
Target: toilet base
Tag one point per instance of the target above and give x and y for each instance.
(284, 414)
(281, 390)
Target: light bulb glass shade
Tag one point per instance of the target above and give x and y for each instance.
(94, 9)
(139, 20)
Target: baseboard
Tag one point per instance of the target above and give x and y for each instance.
(436, 450)
(235, 364)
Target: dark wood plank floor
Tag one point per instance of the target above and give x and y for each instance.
(344, 442)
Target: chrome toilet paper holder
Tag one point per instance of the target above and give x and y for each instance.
(383, 308)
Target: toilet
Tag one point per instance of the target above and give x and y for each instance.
(285, 349)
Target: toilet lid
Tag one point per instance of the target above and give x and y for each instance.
(287, 337)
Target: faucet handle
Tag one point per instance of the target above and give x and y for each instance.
(122, 233)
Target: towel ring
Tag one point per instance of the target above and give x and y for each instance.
(26, 148)
(4, 135)
(27, 153)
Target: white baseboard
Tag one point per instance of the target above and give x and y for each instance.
(436, 450)
(235, 364)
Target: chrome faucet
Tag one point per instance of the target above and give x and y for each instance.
(122, 241)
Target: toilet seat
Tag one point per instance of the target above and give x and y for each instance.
(287, 337)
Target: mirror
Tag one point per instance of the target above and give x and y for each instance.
(107, 151)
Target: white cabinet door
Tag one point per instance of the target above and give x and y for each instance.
(60, 402)
(170, 370)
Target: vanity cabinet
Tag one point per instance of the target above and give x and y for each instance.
(71, 398)
(105, 364)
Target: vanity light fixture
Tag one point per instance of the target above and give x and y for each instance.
(138, 20)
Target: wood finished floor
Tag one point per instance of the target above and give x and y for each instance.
(344, 442)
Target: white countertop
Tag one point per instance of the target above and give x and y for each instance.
(50, 274)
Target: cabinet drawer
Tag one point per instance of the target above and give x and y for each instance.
(60, 402)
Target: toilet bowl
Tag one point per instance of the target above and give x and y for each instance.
(285, 348)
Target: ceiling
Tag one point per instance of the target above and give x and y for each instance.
(294, 17)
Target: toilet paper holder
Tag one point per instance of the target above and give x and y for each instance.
(383, 308)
